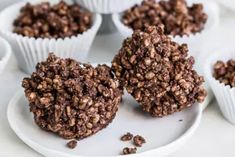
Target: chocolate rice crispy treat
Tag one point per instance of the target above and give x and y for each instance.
(158, 72)
(71, 99)
(52, 21)
(176, 16)
(225, 72)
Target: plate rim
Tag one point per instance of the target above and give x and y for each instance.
(163, 150)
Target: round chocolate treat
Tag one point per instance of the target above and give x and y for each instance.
(158, 72)
(71, 99)
(177, 17)
(44, 20)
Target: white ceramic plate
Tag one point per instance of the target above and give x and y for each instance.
(163, 135)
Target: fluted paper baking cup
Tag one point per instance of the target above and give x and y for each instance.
(29, 51)
(224, 94)
(210, 8)
(229, 4)
(5, 53)
(107, 6)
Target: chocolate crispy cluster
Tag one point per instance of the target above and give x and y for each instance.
(52, 21)
(225, 72)
(71, 99)
(158, 72)
(175, 15)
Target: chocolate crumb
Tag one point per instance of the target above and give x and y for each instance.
(127, 151)
(181, 120)
(127, 137)
(138, 141)
(72, 144)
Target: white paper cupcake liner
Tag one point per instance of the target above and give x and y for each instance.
(213, 19)
(107, 26)
(5, 53)
(225, 95)
(30, 51)
(229, 4)
(107, 6)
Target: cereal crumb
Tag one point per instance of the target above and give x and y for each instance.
(127, 151)
(139, 141)
(127, 137)
(72, 144)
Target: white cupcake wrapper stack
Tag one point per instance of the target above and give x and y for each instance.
(225, 95)
(213, 19)
(230, 4)
(107, 6)
(30, 51)
(5, 53)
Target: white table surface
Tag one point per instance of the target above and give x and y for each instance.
(215, 136)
